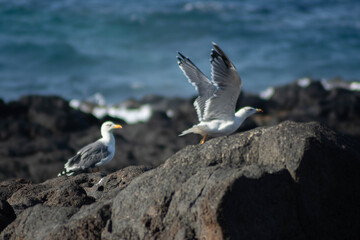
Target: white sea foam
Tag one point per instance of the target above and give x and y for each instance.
(100, 111)
(304, 82)
(204, 6)
(75, 103)
(267, 93)
(96, 105)
(131, 116)
(86, 107)
(98, 99)
(355, 86)
(336, 83)
(326, 85)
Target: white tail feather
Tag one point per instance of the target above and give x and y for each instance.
(190, 130)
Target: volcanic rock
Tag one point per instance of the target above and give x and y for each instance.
(289, 181)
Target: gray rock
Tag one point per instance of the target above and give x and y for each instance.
(109, 186)
(86, 224)
(8, 187)
(267, 183)
(62, 192)
(289, 181)
(36, 222)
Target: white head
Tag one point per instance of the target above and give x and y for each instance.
(108, 126)
(247, 112)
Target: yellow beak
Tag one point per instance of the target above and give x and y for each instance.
(118, 126)
(259, 110)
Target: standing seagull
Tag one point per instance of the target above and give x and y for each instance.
(215, 105)
(95, 154)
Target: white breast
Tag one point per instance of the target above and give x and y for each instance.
(218, 128)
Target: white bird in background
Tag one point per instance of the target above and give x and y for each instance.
(215, 105)
(95, 154)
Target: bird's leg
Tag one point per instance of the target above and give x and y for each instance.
(203, 139)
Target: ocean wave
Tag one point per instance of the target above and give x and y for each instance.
(210, 6)
(56, 54)
(127, 49)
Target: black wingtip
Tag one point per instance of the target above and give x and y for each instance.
(179, 60)
(181, 55)
(214, 54)
(218, 52)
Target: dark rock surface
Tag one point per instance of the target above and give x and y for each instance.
(7, 214)
(36, 222)
(35, 136)
(289, 181)
(338, 108)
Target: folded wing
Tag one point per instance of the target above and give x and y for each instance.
(88, 156)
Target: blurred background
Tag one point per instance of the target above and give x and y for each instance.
(116, 59)
(124, 49)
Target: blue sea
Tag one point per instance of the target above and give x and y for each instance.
(127, 49)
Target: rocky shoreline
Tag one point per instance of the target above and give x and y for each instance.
(282, 177)
(38, 133)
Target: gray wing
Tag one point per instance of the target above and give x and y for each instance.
(225, 76)
(201, 83)
(89, 155)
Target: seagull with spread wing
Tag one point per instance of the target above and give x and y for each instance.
(215, 105)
